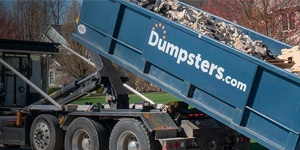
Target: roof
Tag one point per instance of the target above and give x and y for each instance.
(57, 28)
(53, 34)
(28, 46)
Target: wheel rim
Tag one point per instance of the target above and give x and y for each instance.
(81, 140)
(41, 136)
(128, 141)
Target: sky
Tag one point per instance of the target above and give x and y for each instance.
(80, 1)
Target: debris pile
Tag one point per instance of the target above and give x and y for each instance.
(205, 24)
(291, 56)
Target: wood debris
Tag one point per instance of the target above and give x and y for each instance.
(291, 55)
(284, 64)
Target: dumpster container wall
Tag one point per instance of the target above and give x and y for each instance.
(251, 96)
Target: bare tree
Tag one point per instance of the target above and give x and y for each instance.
(70, 63)
(270, 17)
(31, 18)
(26, 20)
(195, 3)
(57, 9)
(2, 9)
(8, 27)
(3, 21)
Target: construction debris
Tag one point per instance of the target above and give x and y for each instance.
(281, 63)
(204, 23)
(291, 55)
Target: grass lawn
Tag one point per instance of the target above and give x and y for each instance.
(157, 97)
(256, 146)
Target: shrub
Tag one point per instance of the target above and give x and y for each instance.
(52, 90)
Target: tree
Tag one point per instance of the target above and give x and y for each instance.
(276, 17)
(197, 4)
(3, 21)
(269, 17)
(57, 9)
(7, 30)
(292, 26)
(70, 63)
(26, 20)
(30, 18)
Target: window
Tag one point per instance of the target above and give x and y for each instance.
(51, 77)
(285, 22)
(292, 21)
(288, 21)
(18, 62)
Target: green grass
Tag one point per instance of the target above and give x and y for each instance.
(157, 97)
(256, 146)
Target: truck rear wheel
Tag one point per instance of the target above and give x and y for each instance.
(86, 134)
(131, 134)
(45, 133)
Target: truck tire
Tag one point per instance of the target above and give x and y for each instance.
(131, 134)
(45, 133)
(86, 134)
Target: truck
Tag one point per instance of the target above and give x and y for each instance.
(228, 96)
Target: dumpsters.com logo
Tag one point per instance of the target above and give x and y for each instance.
(161, 27)
(192, 59)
